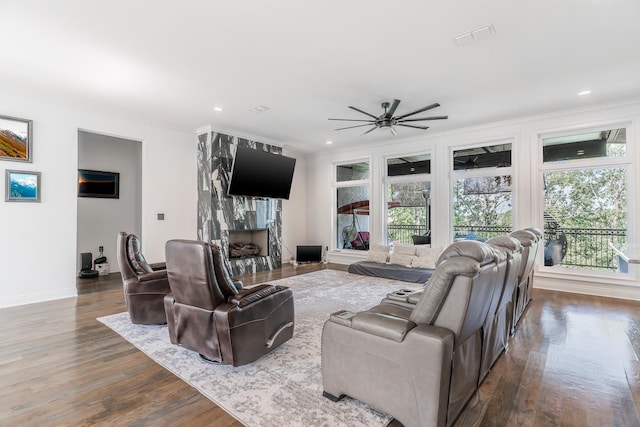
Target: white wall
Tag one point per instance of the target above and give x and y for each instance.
(524, 133)
(294, 211)
(38, 243)
(101, 219)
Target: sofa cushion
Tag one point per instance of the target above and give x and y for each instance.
(401, 259)
(223, 278)
(438, 286)
(404, 249)
(379, 248)
(426, 257)
(390, 271)
(375, 256)
(136, 259)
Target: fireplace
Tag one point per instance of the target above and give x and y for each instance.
(248, 243)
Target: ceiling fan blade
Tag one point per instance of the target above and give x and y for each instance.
(370, 130)
(424, 118)
(412, 126)
(392, 110)
(353, 120)
(356, 126)
(363, 112)
(420, 110)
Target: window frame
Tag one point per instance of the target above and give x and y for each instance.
(455, 175)
(402, 179)
(334, 199)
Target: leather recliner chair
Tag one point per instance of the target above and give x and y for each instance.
(538, 249)
(499, 322)
(145, 285)
(422, 364)
(529, 241)
(207, 314)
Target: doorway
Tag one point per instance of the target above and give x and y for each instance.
(101, 216)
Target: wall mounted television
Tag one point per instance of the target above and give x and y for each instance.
(258, 173)
(308, 253)
(105, 185)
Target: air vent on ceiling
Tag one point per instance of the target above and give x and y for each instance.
(477, 34)
(259, 109)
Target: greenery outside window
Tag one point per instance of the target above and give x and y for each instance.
(408, 196)
(585, 199)
(482, 192)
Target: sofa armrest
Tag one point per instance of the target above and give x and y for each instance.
(382, 325)
(257, 305)
(158, 266)
(154, 275)
(250, 295)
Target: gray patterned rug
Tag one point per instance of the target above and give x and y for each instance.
(284, 387)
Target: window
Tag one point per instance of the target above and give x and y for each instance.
(482, 192)
(408, 195)
(585, 199)
(352, 206)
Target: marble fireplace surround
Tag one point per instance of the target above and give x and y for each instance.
(220, 215)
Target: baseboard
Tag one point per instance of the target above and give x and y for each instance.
(586, 288)
(38, 297)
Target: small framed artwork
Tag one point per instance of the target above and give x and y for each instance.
(15, 139)
(104, 185)
(22, 186)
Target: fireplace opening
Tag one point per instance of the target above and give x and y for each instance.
(248, 243)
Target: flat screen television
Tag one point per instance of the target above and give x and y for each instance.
(308, 253)
(98, 184)
(258, 173)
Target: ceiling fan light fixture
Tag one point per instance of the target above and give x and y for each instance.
(388, 119)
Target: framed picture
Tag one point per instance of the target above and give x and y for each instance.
(105, 185)
(22, 186)
(15, 139)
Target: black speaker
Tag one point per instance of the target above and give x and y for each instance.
(87, 258)
(86, 272)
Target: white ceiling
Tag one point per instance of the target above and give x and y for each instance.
(170, 62)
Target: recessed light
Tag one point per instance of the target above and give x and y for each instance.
(329, 142)
(584, 92)
(217, 109)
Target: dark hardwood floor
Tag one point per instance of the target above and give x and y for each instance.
(573, 362)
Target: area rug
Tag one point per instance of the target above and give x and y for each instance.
(284, 387)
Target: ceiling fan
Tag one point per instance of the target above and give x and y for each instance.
(387, 119)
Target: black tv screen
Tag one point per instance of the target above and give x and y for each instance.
(98, 184)
(257, 173)
(308, 253)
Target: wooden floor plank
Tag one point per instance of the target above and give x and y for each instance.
(572, 362)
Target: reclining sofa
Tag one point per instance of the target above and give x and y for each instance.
(419, 363)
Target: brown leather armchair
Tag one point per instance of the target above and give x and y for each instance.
(145, 285)
(208, 314)
(420, 364)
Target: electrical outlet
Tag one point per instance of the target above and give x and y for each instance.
(100, 248)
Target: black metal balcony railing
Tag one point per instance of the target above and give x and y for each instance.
(589, 247)
(583, 248)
